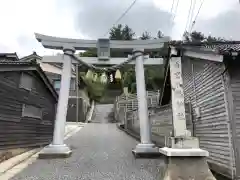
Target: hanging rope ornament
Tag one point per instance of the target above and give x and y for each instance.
(96, 84)
(103, 78)
(89, 75)
(118, 75)
(95, 77)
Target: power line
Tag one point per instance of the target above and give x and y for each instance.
(173, 2)
(194, 22)
(125, 12)
(189, 12)
(175, 11)
(173, 14)
(192, 13)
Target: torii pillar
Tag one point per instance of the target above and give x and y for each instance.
(57, 148)
(145, 147)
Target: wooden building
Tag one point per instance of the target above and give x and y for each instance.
(211, 84)
(27, 107)
(53, 72)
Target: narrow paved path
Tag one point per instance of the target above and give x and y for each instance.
(100, 152)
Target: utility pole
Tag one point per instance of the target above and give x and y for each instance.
(77, 94)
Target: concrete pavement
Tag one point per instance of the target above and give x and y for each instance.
(100, 152)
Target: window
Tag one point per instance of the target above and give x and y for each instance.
(57, 84)
(26, 81)
(31, 111)
(73, 84)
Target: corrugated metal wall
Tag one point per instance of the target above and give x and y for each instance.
(235, 96)
(204, 88)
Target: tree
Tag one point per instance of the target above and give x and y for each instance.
(186, 36)
(214, 39)
(89, 53)
(160, 34)
(121, 33)
(145, 35)
(196, 36)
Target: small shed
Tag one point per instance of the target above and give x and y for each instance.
(27, 107)
(211, 84)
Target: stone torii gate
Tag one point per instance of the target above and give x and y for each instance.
(185, 160)
(57, 148)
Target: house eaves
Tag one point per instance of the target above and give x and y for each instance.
(10, 55)
(46, 67)
(28, 66)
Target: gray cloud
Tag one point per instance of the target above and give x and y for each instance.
(93, 17)
(224, 25)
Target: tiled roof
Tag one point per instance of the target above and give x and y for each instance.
(10, 62)
(223, 48)
(220, 47)
(34, 55)
(32, 63)
(10, 55)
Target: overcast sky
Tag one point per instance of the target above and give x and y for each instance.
(91, 19)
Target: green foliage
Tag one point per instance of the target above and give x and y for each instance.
(89, 53)
(94, 85)
(121, 33)
(160, 34)
(196, 36)
(96, 89)
(145, 35)
(153, 79)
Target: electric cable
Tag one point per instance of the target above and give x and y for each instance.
(123, 14)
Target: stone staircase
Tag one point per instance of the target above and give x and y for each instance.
(101, 113)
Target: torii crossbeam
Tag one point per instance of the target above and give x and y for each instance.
(135, 47)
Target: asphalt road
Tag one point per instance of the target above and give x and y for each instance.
(100, 152)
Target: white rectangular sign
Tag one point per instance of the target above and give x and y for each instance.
(178, 107)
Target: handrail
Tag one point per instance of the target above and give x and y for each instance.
(90, 112)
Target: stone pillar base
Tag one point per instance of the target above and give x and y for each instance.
(146, 150)
(55, 151)
(185, 164)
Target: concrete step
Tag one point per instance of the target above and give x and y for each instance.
(101, 113)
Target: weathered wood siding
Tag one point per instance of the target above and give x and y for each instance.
(22, 132)
(204, 88)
